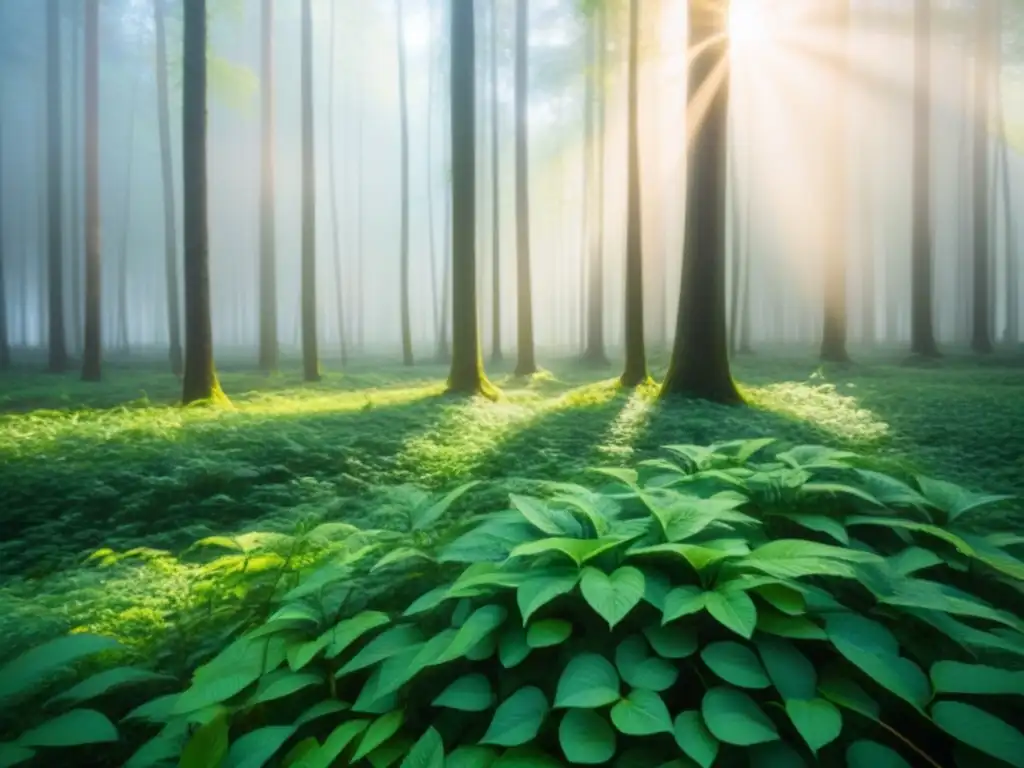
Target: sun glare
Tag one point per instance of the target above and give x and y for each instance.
(747, 24)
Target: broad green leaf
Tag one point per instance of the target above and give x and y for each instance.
(390, 752)
(587, 682)
(158, 710)
(512, 647)
(424, 517)
(72, 729)
(775, 754)
(612, 597)
(694, 738)
(383, 646)
(981, 730)
(628, 477)
(735, 664)
(672, 642)
(890, 491)
(871, 754)
(818, 721)
(577, 550)
(478, 626)
(535, 593)
(160, 750)
(348, 631)
(31, 668)
(784, 599)
(641, 713)
(796, 558)
(795, 627)
(400, 555)
(815, 457)
(208, 746)
(379, 731)
(953, 500)
(12, 754)
(544, 634)
(517, 719)
(471, 757)
(913, 559)
(297, 754)
(208, 690)
(108, 680)
(335, 744)
(697, 556)
(790, 671)
(427, 752)
(848, 694)
(641, 670)
(546, 519)
(586, 737)
(321, 709)
(683, 601)
(733, 717)
(734, 610)
(282, 683)
(428, 601)
(485, 578)
(302, 654)
(822, 524)
(956, 677)
(256, 748)
(470, 693)
(838, 489)
(484, 649)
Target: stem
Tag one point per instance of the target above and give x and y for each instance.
(910, 744)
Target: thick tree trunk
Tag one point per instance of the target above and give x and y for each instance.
(699, 366)
(407, 358)
(735, 251)
(526, 363)
(496, 354)
(595, 352)
(986, 34)
(57, 353)
(200, 380)
(92, 354)
(333, 184)
(635, 371)
(310, 356)
(269, 356)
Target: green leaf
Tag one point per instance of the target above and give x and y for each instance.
(981, 730)
(784, 599)
(348, 631)
(385, 645)
(612, 597)
(208, 746)
(956, 677)
(484, 649)
(512, 647)
(282, 683)
(296, 756)
(422, 518)
(735, 718)
(31, 668)
(913, 559)
(586, 737)
(72, 729)
(871, 754)
(548, 520)
(848, 694)
(321, 709)
(735, 664)
(821, 524)
(158, 710)
(672, 642)
(697, 556)
(470, 693)
(106, 681)
(256, 748)
(577, 550)
(796, 558)
(641, 670)
(795, 627)
(471, 757)
(380, 730)
(817, 720)
(587, 682)
(302, 654)
(12, 754)
(641, 713)
(537, 592)
(428, 752)
(694, 738)
(478, 626)
(428, 601)
(683, 601)
(954, 500)
(335, 744)
(400, 555)
(734, 610)
(890, 491)
(543, 634)
(517, 719)
(790, 671)
(775, 754)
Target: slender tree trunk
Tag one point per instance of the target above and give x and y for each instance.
(407, 358)
(986, 33)
(744, 346)
(526, 364)
(443, 350)
(58, 353)
(699, 366)
(587, 168)
(5, 342)
(595, 352)
(126, 217)
(636, 355)
(434, 64)
(359, 308)
(269, 356)
(310, 356)
(735, 251)
(200, 380)
(92, 355)
(332, 180)
(496, 354)
(1011, 333)
(75, 200)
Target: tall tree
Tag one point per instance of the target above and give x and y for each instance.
(636, 357)
(5, 349)
(58, 352)
(126, 217)
(310, 357)
(434, 64)
(699, 366)
(595, 352)
(407, 358)
(526, 363)
(92, 354)
(200, 379)
(268, 226)
(496, 355)
(986, 35)
(333, 185)
(75, 202)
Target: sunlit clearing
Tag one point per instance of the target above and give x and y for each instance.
(824, 405)
(631, 422)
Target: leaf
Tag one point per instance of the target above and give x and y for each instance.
(470, 693)
(471, 757)
(158, 710)
(734, 610)
(320, 709)
(612, 597)
(577, 550)
(838, 489)
(587, 682)
(296, 756)
(641, 713)
(544, 634)
(956, 677)
(423, 518)
(796, 558)
(694, 738)
(954, 500)
(672, 642)
(35, 665)
(733, 717)
(775, 754)
(301, 654)
(512, 647)
(535, 593)
(283, 683)
(72, 729)
(822, 524)
(795, 627)
(871, 754)
(697, 556)
(817, 720)
(380, 730)
(427, 752)
(348, 631)
(106, 681)
(335, 743)
(890, 491)
(399, 555)
(735, 664)
(517, 719)
(478, 626)
(208, 746)
(641, 670)
(546, 519)
(256, 748)
(785, 599)
(683, 601)
(913, 559)
(848, 694)
(383, 646)
(12, 754)
(586, 738)
(684, 516)
(790, 671)
(428, 601)
(981, 730)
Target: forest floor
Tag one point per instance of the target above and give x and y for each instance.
(120, 465)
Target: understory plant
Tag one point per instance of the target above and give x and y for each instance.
(723, 606)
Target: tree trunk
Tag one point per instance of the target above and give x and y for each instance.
(332, 181)
(58, 352)
(744, 344)
(359, 319)
(635, 371)
(75, 200)
(595, 352)
(526, 363)
(435, 61)
(5, 346)
(496, 354)
(92, 354)
(986, 33)
(1011, 333)
(200, 380)
(126, 217)
(269, 356)
(699, 366)
(310, 356)
(407, 358)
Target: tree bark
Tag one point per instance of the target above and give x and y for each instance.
(310, 356)
(126, 216)
(92, 354)
(526, 363)
(496, 354)
(986, 34)
(75, 199)
(57, 352)
(699, 366)
(407, 358)
(269, 355)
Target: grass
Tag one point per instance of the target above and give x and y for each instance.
(119, 465)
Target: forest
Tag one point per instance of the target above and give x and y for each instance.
(511, 383)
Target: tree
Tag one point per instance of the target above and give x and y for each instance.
(594, 352)
(496, 355)
(92, 353)
(268, 228)
(466, 375)
(333, 185)
(58, 353)
(636, 357)
(77, 290)
(407, 358)
(310, 358)
(526, 363)
(699, 366)
(5, 349)
(200, 379)
(986, 35)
